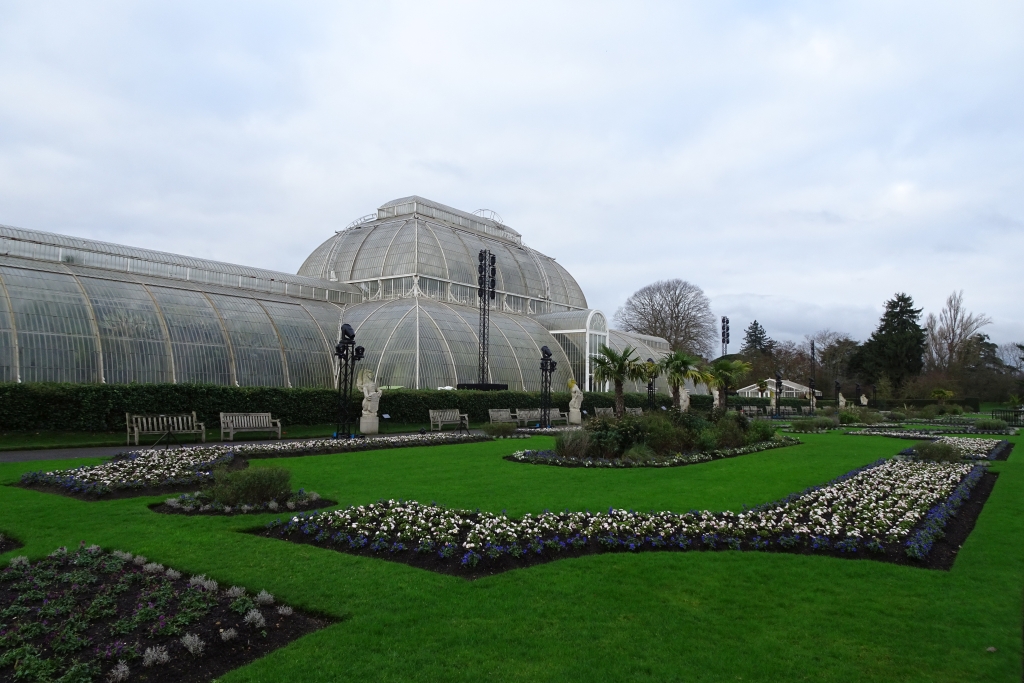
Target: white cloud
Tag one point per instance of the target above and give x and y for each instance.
(801, 162)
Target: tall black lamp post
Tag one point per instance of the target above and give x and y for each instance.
(348, 353)
(778, 393)
(810, 383)
(652, 374)
(856, 392)
(547, 368)
(838, 389)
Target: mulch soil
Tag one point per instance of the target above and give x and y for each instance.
(8, 544)
(105, 648)
(941, 557)
(166, 509)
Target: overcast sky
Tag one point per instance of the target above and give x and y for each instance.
(801, 162)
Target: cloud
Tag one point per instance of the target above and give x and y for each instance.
(800, 162)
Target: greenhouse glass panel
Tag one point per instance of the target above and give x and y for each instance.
(328, 317)
(197, 339)
(398, 362)
(8, 357)
(400, 258)
(375, 326)
(573, 343)
(305, 349)
(460, 263)
(56, 339)
(541, 337)
(461, 337)
(430, 259)
(131, 332)
(508, 265)
(436, 369)
(370, 260)
(533, 278)
(256, 346)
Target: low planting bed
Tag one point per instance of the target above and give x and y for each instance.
(156, 471)
(90, 615)
(901, 511)
(204, 503)
(677, 460)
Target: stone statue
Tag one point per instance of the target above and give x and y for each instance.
(684, 399)
(575, 403)
(842, 401)
(369, 423)
(864, 400)
(714, 396)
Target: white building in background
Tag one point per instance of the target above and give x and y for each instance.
(790, 389)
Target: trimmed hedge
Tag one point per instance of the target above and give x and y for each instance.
(101, 407)
(763, 402)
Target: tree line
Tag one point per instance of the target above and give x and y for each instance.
(907, 355)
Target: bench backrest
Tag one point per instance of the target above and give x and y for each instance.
(164, 423)
(500, 413)
(528, 413)
(604, 412)
(245, 420)
(446, 415)
(634, 411)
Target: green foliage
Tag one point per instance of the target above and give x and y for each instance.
(937, 451)
(895, 349)
(987, 424)
(897, 416)
(573, 444)
(667, 434)
(499, 429)
(101, 407)
(848, 417)
(812, 424)
(251, 485)
(756, 340)
(730, 432)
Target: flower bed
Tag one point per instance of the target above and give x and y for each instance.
(149, 469)
(971, 449)
(200, 503)
(552, 458)
(91, 615)
(871, 511)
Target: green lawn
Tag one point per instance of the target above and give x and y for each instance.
(666, 616)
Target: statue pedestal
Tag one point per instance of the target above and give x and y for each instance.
(575, 417)
(369, 424)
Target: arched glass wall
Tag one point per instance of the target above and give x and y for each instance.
(66, 323)
(422, 343)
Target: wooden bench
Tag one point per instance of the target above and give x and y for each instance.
(635, 411)
(232, 423)
(448, 416)
(604, 412)
(557, 415)
(501, 415)
(525, 416)
(165, 425)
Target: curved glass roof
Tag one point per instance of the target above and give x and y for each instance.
(413, 236)
(645, 347)
(66, 323)
(422, 343)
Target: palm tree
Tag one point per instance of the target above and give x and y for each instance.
(680, 366)
(612, 366)
(724, 373)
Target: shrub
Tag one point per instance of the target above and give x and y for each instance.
(729, 433)
(760, 430)
(897, 416)
(499, 429)
(805, 425)
(251, 485)
(953, 409)
(993, 425)
(929, 412)
(662, 436)
(937, 451)
(847, 417)
(706, 440)
(640, 452)
(574, 444)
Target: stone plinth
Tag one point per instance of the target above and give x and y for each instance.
(369, 424)
(575, 417)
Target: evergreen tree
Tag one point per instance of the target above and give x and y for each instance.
(756, 340)
(896, 349)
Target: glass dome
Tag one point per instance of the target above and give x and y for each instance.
(415, 236)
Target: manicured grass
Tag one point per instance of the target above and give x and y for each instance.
(621, 617)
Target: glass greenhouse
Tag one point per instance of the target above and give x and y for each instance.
(76, 310)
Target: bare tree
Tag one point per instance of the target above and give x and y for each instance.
(1012, 355)
(949, 335)
(675, 310)
(832, 351)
